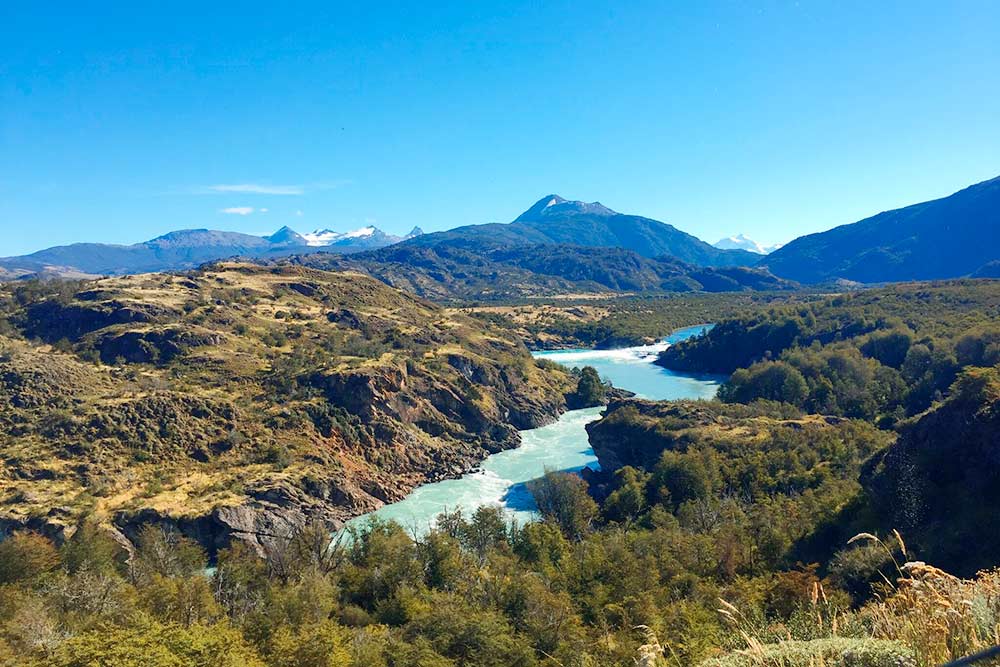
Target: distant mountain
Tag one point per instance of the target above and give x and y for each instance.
(365, 237)
(945, 238)
(554, 220)
(451, 270)
(988, 270)
(185, 249)
(741, 242)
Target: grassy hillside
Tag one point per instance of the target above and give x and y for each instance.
(241, 400)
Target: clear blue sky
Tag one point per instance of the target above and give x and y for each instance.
(118, 123)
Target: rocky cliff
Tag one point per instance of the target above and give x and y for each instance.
(241, 401)
(940, 483)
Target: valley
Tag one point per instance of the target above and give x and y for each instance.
(298, 369)
(560, 446)
(484, 466)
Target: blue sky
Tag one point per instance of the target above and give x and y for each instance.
(773, 119)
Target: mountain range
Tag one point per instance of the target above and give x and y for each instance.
(555, 247)
(453, 271)
(186, 249)
(958, 235)
(554, 220)
(596, 248)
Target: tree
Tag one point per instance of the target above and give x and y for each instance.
(92, 547)
(889, 348)
(484, 532)
(562, 497)
(164, 551)
(769, 380)
(25, 556)
(628, 500)
(316, 645)
(590, 391)
(684, 477)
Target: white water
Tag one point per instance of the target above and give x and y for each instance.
(561, 445)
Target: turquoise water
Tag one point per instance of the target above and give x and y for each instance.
(561, 445)
(632, 368)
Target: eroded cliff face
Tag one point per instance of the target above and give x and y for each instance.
(241, 402)
(939, 484)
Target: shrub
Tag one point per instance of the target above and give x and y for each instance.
(25, 556)
(829, 652)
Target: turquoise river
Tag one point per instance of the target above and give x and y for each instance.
(562, 445)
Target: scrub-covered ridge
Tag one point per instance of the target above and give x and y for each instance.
(244, 401)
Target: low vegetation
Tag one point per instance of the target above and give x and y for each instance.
(603, 322)
(800, 521)
(238, 398)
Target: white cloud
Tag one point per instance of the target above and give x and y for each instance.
(254, 189)
(263, 210)
(268, 189)
(238, 210)
(298, 213)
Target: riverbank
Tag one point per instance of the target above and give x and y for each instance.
(562, 445)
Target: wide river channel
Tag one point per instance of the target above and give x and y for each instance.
(561, 445)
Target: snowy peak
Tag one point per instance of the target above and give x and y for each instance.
(554, 206)
(321, 237)
(325, 237)
(287, 236)
(741, 242)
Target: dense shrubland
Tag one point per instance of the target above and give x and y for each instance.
(880, 355)
(755, 531)
(709, 580)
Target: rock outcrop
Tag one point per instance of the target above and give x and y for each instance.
(242, 402)
(939, 484)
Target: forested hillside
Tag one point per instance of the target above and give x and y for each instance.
(489, 271)
(879, 354)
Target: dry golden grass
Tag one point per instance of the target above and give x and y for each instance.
(940, 616)
(925, 617)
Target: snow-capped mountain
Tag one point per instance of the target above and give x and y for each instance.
(741, 242)
(325, 237)
(362, 238)
(188, 248)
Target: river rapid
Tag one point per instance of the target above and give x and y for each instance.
(562, 445)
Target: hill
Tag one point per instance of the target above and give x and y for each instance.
(944, 238)
(938, 482)
(456, 270)
(242, 401)
(554, 220)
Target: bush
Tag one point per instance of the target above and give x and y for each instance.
(562, 497)
(26, 556)
(772, 381)
(830, 652)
